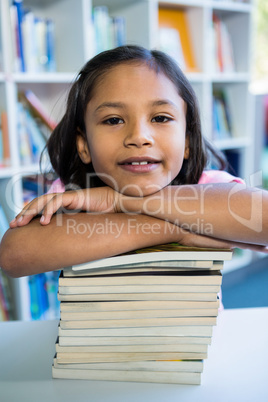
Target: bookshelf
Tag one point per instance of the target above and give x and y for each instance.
(74, 36)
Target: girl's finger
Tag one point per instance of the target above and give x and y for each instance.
(67, 200)
(30, 211)
(54, 204)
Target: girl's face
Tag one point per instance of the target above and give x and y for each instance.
(135, 130)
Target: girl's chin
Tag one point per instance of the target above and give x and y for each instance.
(136, 191)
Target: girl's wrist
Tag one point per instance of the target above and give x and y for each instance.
(128, 204)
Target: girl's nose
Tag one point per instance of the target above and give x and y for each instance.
(139, 135)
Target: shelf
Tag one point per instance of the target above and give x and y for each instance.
(58, 78)
(230, 77)
(233, 143)
(231, 6)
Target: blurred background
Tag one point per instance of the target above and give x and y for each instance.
(221, 45)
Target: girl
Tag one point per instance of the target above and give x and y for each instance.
(129, 150)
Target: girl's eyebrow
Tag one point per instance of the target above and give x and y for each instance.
(117, 105)
(163, 102)
(121, 105)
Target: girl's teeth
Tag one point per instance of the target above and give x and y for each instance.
(139, 163)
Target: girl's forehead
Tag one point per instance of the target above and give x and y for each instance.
(135, 75)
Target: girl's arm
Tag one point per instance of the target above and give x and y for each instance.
(75, 239)
(229, 211)
(223, 211)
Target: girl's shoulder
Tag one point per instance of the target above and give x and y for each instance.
(218, 176)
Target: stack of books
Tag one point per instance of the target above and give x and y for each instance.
(145, 316)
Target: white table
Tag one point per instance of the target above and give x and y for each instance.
(236, 369)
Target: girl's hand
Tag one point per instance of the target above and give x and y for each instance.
(100, 200)
(187, 238)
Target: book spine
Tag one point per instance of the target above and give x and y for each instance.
(5, 139)
(20, 15)
(43, 291)
(5, 298)
(50, 43)
(37, 108)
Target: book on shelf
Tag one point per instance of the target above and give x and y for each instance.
(43, 296)
(222, 47)
(6, 311)
(139, 319)
(175, 38)
(31, 140)
(36, 108)
(4, 225)
(33, 40)
(108, 32)
(222, 117)
(35, 185)
(4, 140)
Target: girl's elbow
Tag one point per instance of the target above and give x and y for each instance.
(11, 257)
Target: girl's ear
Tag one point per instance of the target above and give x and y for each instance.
(186, 150)
(82, 149)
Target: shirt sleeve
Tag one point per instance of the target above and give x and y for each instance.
(56, 187)
(218, 176)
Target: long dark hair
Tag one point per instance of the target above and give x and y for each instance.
(61, 145)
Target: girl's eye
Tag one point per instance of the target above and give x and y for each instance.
(112, 121)
(161, 119)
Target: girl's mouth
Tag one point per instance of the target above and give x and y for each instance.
(139, 165)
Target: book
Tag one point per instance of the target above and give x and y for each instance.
(33, 40)
(65, 358)
(124, 375)
(176, 19)
(222, 120)
(19, 36)
(159, 348)
(5, 139)
(167, 252)
(136, 305)
(222, 46)
(4, 225)
(37, 109)
(197, 296)
(143, 279)
(108, 32)
(195, 366)
(147, 267)
(138, 314)
(124, 289)
(132, 340)
(137, 322)
(120, 313)
(6, 312)
(182, 330)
